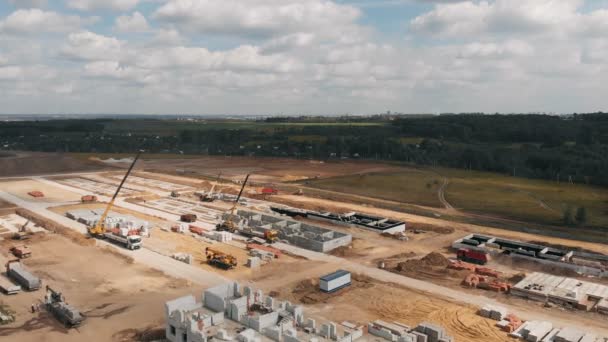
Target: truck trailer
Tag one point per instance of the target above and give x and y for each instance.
(473, 256)
(16, 272)
(8, 287)
(131, 242)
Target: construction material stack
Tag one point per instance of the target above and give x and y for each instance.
(18, 273)
(64, 313)
(88, 199)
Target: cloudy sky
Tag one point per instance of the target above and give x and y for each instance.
(303, 56)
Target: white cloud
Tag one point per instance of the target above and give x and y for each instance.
(87, 45)
(168, 37)
(508, 49)
(133, 23)
(501, 16)
(261, 18)
(10, 72)
(90, 5)
(38, 21)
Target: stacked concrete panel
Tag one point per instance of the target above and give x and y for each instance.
(494, 312)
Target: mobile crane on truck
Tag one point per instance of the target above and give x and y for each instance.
(99, 229)
(220, 259)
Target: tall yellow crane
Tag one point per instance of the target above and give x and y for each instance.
(228, 224)
(100, 227)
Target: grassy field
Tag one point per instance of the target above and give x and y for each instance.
(524, 199)
(410, 186)
(481, 193)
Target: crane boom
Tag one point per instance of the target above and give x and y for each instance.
(236, 202)
(100, 228)
(214, 185)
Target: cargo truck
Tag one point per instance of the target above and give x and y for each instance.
(16, 272)
(473, 256)
(131, 242)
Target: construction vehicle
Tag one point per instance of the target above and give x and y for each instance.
(208, 197)
(228, 225)
(99, 230)
(175, 194)
(270, 235)
(188, 218)
(88, 199)
(473, 256)
(23, 277)
(220, 259)
(63, 312)
(23, 234)
(123, 238)
(21, 252)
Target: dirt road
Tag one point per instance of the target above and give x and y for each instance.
(441, 194)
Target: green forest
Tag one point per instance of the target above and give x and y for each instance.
(568, 148)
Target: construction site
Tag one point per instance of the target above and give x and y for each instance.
(142, 250)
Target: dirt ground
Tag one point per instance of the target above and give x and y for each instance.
(168, 243)
(118, 298)
(367, 300)
(34, 163)
(20, 188)
(264, 169)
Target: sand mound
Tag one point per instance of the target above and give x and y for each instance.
(429, 261)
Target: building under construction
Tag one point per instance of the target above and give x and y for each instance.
(353, 219)
(591, 264)
(297, 233)
(569, 292)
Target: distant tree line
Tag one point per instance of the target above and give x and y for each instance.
(571, 148)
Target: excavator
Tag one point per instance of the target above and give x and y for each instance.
(220, 259)
(208, 197)
(99, 229)
(228, 225)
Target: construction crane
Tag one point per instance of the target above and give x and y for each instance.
(220, 259)
(100, 227)
(208, 197)
(228, 224)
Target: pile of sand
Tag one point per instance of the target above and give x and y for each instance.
(431, 260)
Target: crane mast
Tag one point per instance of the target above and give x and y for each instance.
(100, 227)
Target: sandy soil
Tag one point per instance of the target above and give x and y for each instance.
(168, 243)
(367, 300)
(20, 188)
(114, 295)
(265, 169)
(35, 163)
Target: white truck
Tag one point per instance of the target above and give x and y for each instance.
(131, 242)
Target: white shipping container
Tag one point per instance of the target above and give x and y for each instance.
(335, 281)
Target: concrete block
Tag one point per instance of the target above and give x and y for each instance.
(420, 337)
